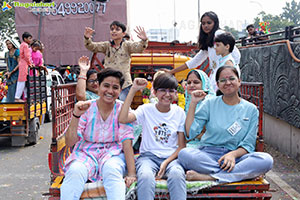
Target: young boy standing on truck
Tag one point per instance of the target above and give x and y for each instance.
(25, 61)
(118, 51)
(224, 44)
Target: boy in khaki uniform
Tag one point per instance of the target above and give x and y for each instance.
(118, 51)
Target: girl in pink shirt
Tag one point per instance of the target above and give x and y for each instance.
(36, 55)
(102, 146)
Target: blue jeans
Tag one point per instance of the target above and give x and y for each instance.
(10, 97)
(147, 167)
(113, 171)
(205, 161)
(124, 93)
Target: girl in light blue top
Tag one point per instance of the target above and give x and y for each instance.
(227, 147)
(197, 80)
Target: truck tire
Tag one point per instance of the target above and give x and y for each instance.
(49, 115)
(34, 125)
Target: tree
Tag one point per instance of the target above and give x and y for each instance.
(291, 12)
(234, 32)
(276, 22)
(7, 23)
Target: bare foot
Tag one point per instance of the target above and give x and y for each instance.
(191, 175)
(259, 178)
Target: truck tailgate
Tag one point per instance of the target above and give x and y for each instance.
(12, 111)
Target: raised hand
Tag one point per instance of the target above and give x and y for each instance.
(81, 107)
(84, 63)
(140, 31)
(197, 96)
(88, 33)
(139, 84)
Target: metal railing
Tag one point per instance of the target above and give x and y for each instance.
(290, 33)
(253, 92)
(36, 89)
(63, 101)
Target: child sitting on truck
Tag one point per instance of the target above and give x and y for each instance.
(103, 146)
(118, 51)
(162, 138)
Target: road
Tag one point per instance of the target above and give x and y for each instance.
(24, 173)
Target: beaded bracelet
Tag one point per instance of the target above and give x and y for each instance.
(81, 77)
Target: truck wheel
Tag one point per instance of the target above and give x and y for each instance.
(49, 115)
(33, 131)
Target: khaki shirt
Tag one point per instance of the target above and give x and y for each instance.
(117, 58)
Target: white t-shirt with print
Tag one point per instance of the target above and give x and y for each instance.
(159, 134)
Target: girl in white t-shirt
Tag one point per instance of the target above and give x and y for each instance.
(162, 137)
(208, 30)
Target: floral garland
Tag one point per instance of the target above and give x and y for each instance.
(264, 27)
(3, 86)
(180, 92)
(181, 97)
(146, 93)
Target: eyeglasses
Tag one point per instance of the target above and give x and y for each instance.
(165, 90)
(93, 81)
(224, 80)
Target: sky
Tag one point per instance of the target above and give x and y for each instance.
(159, 14)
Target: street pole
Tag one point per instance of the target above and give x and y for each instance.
(174, 21)
(94, 14)
(93, 25)
(40, 26)
(199, 17)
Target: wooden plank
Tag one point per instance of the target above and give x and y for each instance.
(61, 142)
(93, 190)
(232, 195)
(251, 182)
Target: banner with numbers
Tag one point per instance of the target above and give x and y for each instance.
(62, 25)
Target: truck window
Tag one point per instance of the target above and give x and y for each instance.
(60, 80)
(54, 80)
